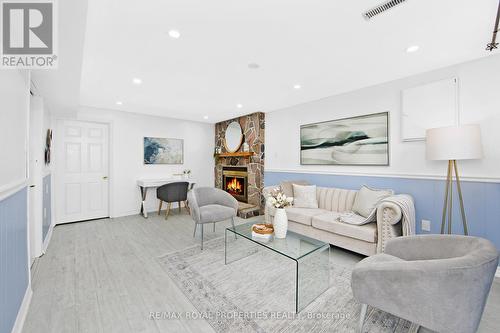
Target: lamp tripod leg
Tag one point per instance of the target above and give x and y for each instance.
(462, 209)
(450, 199)
(445, 206)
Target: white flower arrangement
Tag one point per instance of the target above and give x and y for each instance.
(279, 200)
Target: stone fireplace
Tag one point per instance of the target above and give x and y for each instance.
(235, 182)
(230, 169)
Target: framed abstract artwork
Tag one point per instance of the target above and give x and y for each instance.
(362, 140)
(163, 151)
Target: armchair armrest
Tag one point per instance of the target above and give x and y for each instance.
(388, 224)
(428, 247)
(194, 208)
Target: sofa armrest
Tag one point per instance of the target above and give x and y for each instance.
(388, 224)
(266, 192)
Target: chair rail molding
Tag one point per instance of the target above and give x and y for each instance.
(479, 179)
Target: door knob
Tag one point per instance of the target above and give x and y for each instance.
(105, 177)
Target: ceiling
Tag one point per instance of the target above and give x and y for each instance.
(325, 46)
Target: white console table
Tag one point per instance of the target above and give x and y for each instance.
(145, 184)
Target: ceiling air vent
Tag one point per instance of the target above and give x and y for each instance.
(382, 8)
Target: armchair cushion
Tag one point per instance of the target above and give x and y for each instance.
(214, 213)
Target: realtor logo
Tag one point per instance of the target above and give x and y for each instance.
(28, 34)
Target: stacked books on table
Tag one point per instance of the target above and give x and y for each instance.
(262, 232)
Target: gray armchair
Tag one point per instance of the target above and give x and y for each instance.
(440, 282)
(211, 205)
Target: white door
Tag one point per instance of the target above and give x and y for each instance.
(82, 164)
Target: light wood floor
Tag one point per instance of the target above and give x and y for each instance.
(103, 276)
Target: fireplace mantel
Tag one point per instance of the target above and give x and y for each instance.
(246, 154)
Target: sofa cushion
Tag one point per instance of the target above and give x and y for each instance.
(329, 222)
(214, 213)
(303, 215)
(300, 215)
(367, 199)
(304, 196)
(287, 186)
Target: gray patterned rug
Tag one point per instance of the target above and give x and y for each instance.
(256, 294)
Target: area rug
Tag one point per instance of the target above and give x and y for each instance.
(257, 294)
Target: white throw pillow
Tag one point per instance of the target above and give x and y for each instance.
(367, 199)
(304, 196)
(287, 186)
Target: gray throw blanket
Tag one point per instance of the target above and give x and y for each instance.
(405, 203)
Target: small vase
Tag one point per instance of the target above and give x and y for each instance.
(246, 147)
(280, 223)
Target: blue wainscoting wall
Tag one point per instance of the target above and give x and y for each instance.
(14, 274)
(47, 206)
(482, 200)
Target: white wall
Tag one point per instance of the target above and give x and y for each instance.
(14, 109)
(479, 88)
(127, 131)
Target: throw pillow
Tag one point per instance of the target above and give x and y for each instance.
(367, 199)
(304, 196)
(287, 186)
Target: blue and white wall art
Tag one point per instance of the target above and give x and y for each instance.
(359, 140)
(163, 151)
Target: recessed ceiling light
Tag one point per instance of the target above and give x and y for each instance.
(137, 80)
(297, 86)
(413, 48)
(205, 117)
(239, 106)
(174, 34)
(119, 103)
(253, 65)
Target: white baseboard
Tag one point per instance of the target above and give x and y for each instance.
(23, 311)
(47, 239)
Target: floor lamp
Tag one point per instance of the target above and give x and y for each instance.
(452, 144)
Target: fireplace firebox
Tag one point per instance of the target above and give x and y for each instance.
(235, 182)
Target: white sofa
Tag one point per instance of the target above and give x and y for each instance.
(321, 223)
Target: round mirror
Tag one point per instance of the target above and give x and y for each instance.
(233, 137)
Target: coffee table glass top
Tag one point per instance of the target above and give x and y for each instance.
(294, 246)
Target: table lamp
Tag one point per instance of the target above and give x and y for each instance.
(451, 144)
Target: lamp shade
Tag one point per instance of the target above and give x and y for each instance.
(454, 143)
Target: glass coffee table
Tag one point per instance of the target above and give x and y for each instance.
(311, 257)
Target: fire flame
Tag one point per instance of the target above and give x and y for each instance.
(234, 186)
